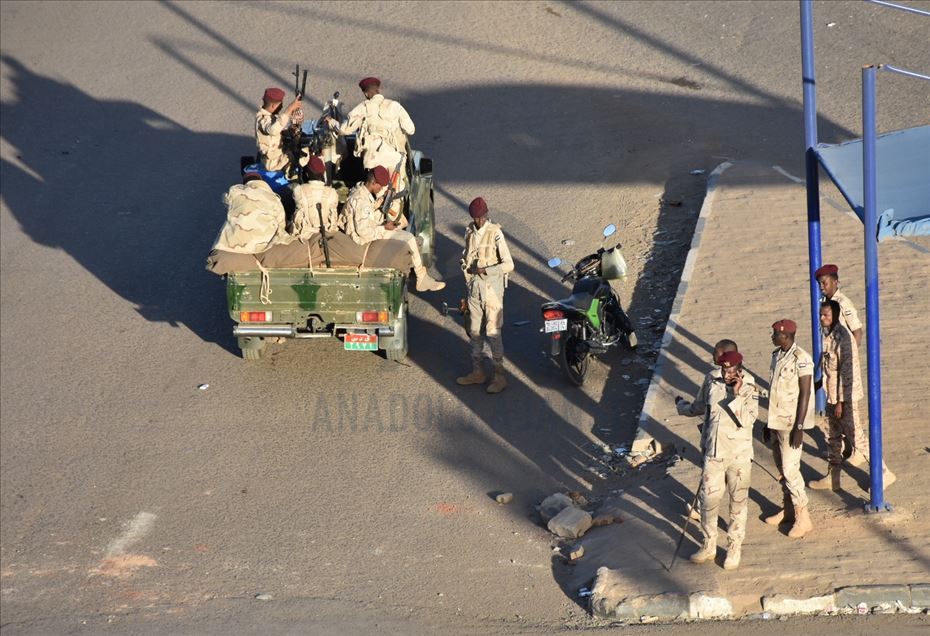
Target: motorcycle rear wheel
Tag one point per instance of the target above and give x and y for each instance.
(574, 362)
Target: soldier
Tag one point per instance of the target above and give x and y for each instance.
(308, 195)
(270, 121)
(254, 219)
(827, 278)
(378, 121)
(486, 262)
(731, 404)
(699, 406)
(364, 223)
(843, 386)
(791, 411)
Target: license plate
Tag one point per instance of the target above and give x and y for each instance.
(361, 342)
(556, 325)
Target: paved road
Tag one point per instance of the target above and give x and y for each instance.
(324, 478)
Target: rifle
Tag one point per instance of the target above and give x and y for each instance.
(322, 136)
(391, 192)
(323, 237)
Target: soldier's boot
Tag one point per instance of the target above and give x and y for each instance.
(785, 515)
(802, 524)
(425, 282)
(831, 480)
(734, 550)
(706, 552)
(857, 459)
(476, 376)
(498, 382)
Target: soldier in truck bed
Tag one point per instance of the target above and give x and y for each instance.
(377, 121)
(364, 223)
(270, 121)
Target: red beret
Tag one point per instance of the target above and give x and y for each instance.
(369, 81)
(832, 270)
(730, 359)
(478, 208)
(273, 95)
(786, 326)
(381, 175)
(316, 165)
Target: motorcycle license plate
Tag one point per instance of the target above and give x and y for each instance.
(360, 342)
(556, 325)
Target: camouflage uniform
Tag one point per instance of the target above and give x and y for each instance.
(378, 121)
(726, 444)
(842, 383)
(254, 219)
(306, 216)
(486, 248)
(268, 129)
(849, 317)
(787, 367)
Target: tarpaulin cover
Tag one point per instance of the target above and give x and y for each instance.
(903, 179)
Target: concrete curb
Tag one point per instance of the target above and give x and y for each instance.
(670, 606)
(641, 436)
(858, 599)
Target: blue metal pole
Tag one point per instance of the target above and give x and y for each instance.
(812, 179)
(873, 345)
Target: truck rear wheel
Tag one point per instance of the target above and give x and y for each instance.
(252, 348)
(394, 353)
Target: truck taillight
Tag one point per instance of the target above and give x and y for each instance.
(254, 316)
(371, 316)
(553, 314)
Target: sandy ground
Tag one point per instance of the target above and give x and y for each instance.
(325, 478)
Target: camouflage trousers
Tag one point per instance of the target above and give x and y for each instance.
(486, 310)
(733, 475)
(788, 463)
(850, 426)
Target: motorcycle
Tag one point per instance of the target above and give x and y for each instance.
(590, 321)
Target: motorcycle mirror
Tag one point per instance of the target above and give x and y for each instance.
(554, 262)
(610, 230)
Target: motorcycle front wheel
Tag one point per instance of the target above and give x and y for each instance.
(573, 358)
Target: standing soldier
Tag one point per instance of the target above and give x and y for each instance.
(378, 121)
(364, 223)
(486, 262)
(827, 278)
(699, 406)
(270, 121)
(843, 386)
(791, 411)
(731, 405)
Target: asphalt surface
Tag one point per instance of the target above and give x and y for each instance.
(349, 489)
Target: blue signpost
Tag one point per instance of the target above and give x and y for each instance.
(812, 179)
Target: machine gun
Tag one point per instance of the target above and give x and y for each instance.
(293, 140)
(391, 192)
(322, 136)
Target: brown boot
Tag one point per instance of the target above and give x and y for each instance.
(831, 480)
(785, 515)
(476, 376)
(802, 524)
(425, 282)
(734, 552)
(498, 382)
(706, 552)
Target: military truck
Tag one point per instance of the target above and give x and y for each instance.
(366, 308)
